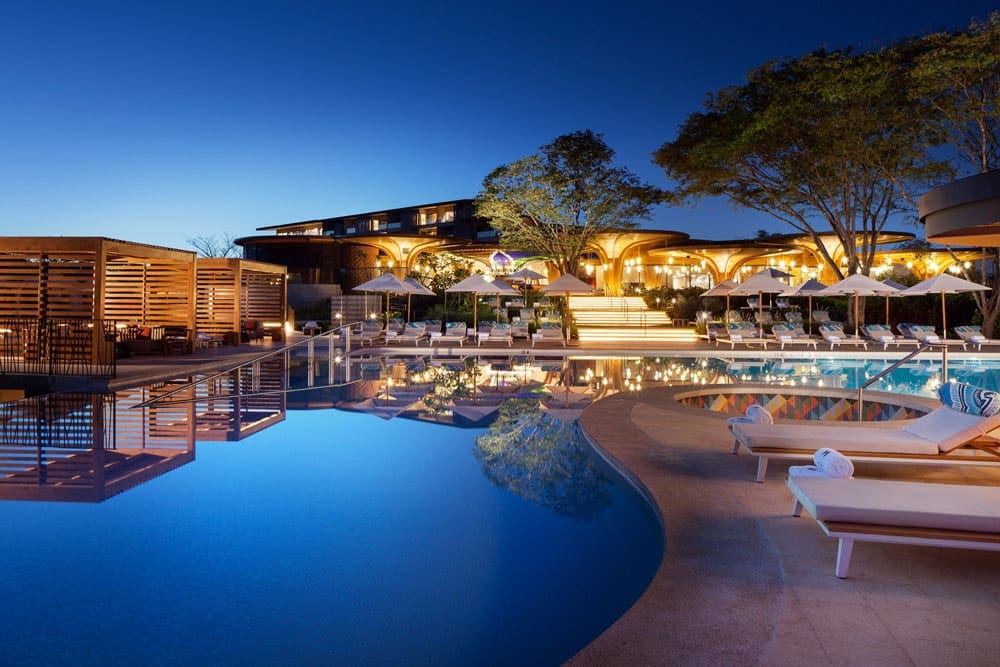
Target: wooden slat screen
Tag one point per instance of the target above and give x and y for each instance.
(168, 293)
(123, 293)
(263, 296)
(21, 285)
(68, 286)
(148, 292)
(217, 300)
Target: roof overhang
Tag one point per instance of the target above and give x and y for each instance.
(966, 211)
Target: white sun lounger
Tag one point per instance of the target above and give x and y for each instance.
(874, 510)
(942, 436)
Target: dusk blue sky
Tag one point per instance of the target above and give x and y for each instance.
(157, 121)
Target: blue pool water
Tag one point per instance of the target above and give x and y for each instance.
(919, 377)
(331, 538)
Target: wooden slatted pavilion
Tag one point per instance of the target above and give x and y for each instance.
(69, 293)
(231, 291)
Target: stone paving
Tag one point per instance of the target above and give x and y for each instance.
(744, 582)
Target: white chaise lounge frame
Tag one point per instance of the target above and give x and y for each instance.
(848, 532)
(969, 443)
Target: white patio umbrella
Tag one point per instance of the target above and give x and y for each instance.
(567, 284)
(477, 285)
(505, 289)
(760, 283)
(722, 289)
(418, 288)
(808, 288)
(898, 286)
(526, 275)
(388, 283)
(859, 285)
(945, 283)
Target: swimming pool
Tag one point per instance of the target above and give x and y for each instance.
(326, 537)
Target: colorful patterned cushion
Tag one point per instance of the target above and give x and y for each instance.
(969, 398)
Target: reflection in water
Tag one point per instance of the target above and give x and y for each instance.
(85, 447)
(544, 460)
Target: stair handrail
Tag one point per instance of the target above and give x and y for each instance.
(311, 340)
(922, 347)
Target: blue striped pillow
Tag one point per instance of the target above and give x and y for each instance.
(969, 398)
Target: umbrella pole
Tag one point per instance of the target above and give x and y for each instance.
(944, 319)
(760, 313)
(886, 310)
(856, 328)
(810, 306)
(409, 298)
(725, 316)
(387, 310)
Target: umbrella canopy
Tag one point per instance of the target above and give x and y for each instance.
(416, 287)
(775, 273)
(477, 285)
(722, 289)
(388, 283)
(526, 274)
(505, 288)
(567, 283)
(944, 283)
(809, 288)
(858, 285)
(419, 288)
(760, 283)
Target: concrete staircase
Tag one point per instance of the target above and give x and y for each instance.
(623, 318)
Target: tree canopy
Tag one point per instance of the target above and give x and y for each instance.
(825, 142)
(555, 202)
(956, 82)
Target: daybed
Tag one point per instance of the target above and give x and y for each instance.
(874, 510)
(945, 435)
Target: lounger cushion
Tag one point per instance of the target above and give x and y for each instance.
(903, 504)
(970, 398)
(947, 428)
(844, 437)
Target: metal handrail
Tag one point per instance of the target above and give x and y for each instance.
(310, 341)
(924, 345)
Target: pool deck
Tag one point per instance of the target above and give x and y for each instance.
(742, 581)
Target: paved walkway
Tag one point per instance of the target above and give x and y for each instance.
(744, 582)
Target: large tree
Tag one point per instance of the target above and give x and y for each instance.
(956, 81)
(809, 141)
(555, 202)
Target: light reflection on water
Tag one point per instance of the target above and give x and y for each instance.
(317, 535)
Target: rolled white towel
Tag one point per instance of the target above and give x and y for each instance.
(759, 414)
(806, 471)
(833, 463)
